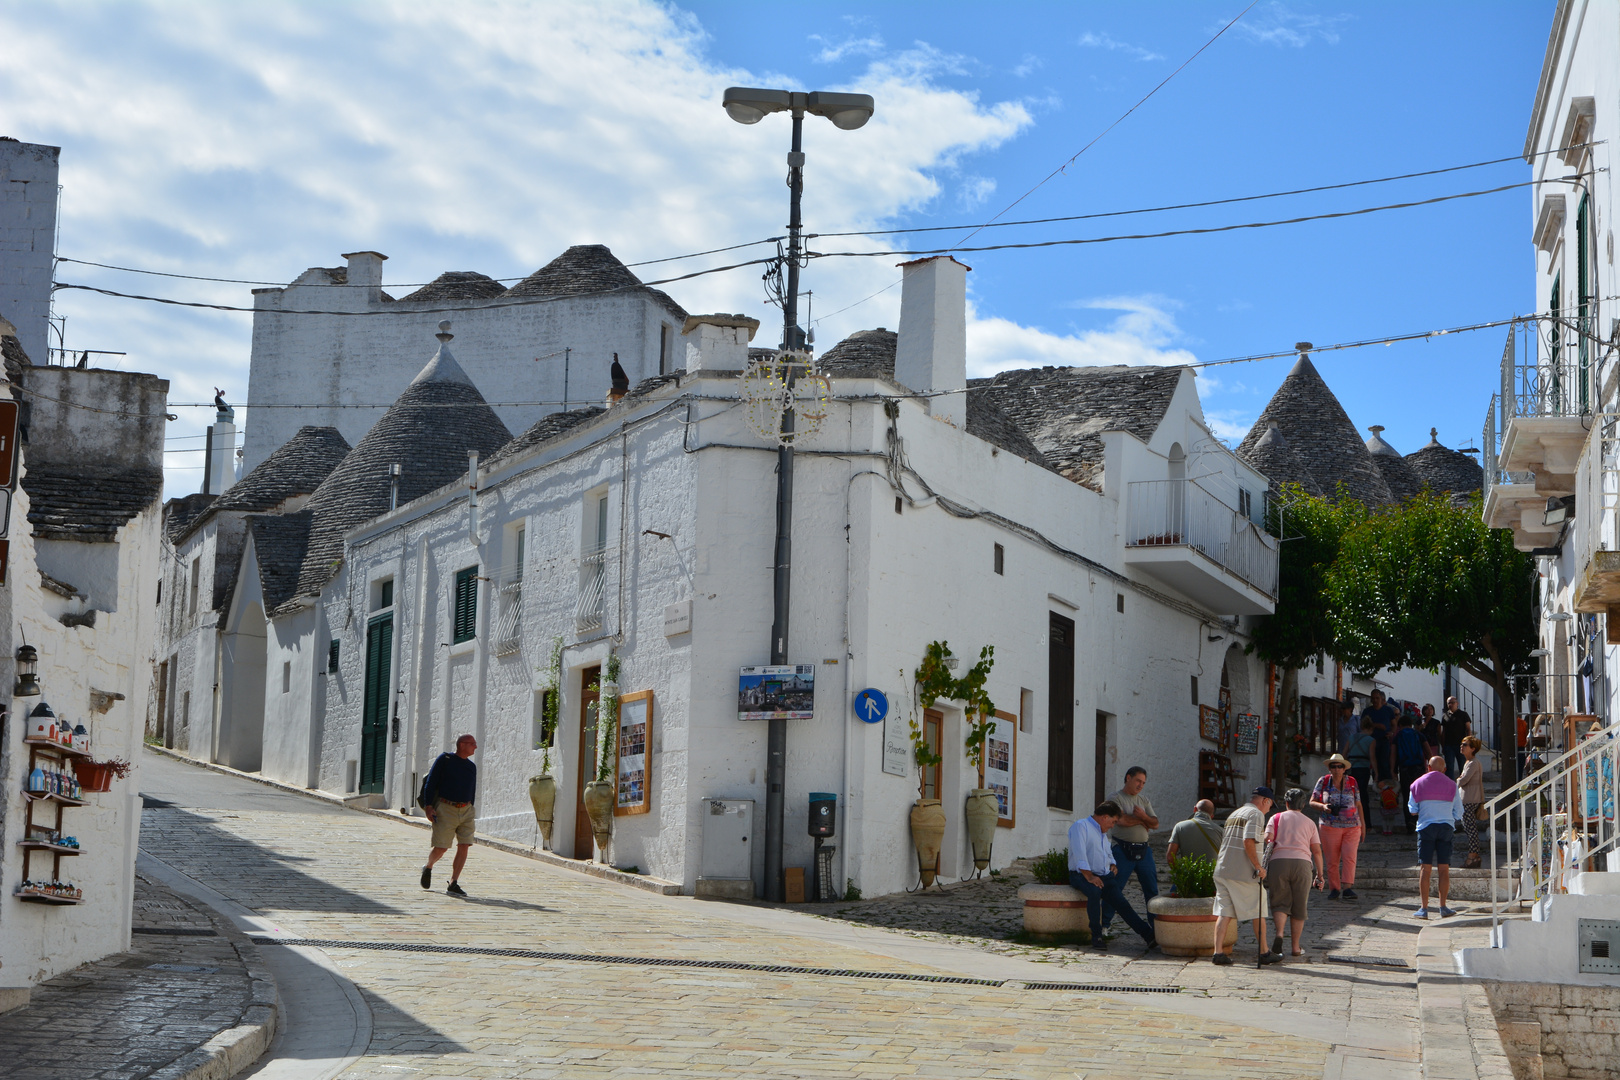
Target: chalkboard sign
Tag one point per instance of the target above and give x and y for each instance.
(1246, 734)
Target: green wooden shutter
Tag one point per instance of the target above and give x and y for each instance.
(466, 618)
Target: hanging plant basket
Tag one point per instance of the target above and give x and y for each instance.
(99, 775)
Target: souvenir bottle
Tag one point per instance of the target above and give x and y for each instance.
(36, 780)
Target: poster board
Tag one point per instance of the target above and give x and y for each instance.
(633, 794)
(1001, 767)
(1246, 733)
(897, 759)
(1209, 723)
(777, 692)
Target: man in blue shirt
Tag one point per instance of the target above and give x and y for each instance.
(1093, 872)
(448, 794)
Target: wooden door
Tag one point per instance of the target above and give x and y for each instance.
(1100, 769)
(374, 704)
(928, 779)
(590, 692)
(1060, 709)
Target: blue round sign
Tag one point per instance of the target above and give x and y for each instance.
(871, 706)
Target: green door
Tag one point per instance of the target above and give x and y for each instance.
(374, 713)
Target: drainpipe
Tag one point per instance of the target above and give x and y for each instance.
(472, 496)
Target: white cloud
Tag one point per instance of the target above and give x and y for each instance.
(974, 191)
(1141, 334)
(1103, 41)
(834, 51)
(1028, 66)
(252, 141)
(1277, 24)
(1229, 425)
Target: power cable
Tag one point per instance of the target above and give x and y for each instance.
(1122, 117)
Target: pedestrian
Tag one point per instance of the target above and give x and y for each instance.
(1093, 872)
(1239, 874)
(1196, 836)
(1383, 716)
(1431, 730)
(1344, 826)
(1437, 801)
(448, 794)
(1293, 868)
(1472, 782)
(1349, 726)
(1410, 758)
(1132, 852)
(1454, 727)
(1364, 768)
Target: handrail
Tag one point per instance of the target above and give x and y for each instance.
(593, 575)
(507, 638)
(1574, 791)
(1183, 513)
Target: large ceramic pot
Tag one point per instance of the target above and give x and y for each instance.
(1185, 925)
(1054, 911)
(927, 833)
(599, 805)
(543, 794)
(981, 822)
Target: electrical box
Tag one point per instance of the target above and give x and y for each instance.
(1599, 941)
(726, 869)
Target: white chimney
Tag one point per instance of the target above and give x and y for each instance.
(931, 354)
(221, 456)
(718, 342)
(365, 268)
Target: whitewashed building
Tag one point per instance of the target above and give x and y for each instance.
(334, 341)
(81, 573)
(1083, 521)
(28, 197)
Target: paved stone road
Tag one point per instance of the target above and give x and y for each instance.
(337, 876)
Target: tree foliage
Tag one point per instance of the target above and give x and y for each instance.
(1311, 530)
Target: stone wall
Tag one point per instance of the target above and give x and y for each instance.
(27, 240)
(1551, 1030)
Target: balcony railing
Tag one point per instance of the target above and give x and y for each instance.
(1168, 513)
(592, 579)
(1546, 370)
(508, 613)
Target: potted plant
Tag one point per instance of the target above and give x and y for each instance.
(934, 681)
(543, 787)
(98, 775)
(599, 792)
(1053, 910)
(927, 815)
(1185, 923)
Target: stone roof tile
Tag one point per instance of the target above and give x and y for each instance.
(297, 467)
(178, 514)
(586, 269)
(87, 503)
(457, 285)
(1273, 458)
(1446, 470)
(548, 427)
(1315, 425)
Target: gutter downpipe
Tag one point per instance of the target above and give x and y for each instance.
(850, 818)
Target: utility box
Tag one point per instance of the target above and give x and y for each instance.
(726, 869)
(823, 816)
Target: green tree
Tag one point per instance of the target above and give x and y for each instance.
(1426, 583)
(1311, 529)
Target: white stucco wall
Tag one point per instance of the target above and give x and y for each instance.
(28, 193)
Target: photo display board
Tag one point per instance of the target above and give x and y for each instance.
(777, 692)
(1001, 767)
(634, 776)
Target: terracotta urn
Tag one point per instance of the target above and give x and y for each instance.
(543, 794)
(927, 833)
(1185, 925)
(981, 822)
(599, 805)
(1054, 911)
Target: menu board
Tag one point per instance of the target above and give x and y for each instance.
(1246, 733)
(635, 739)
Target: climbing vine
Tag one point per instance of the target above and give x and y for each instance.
(934, 680)
(607, 719)
(550, 705)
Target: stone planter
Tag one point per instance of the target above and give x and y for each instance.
(1054, 911)
(981, 822)
(1185, 925)
(543, 795)
(599, 805)
(927, 833)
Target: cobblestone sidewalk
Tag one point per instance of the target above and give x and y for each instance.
(183, 995)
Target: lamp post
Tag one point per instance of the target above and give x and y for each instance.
(848, 112)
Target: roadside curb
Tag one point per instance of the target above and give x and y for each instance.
(1458, 1032)
(657, 886)
(236, 1048)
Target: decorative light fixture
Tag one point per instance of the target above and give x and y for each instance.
(27, 684)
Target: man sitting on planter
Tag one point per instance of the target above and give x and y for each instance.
(1093, 872)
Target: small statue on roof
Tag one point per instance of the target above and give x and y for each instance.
(621, 380)
(223, 413)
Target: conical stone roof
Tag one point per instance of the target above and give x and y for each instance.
(1315, 425)
(1403, 482)
(1446, 470)
(1273, 458)
(428, 432)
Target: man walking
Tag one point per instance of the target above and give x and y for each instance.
(1454, 728)
(1409, 758)
(1093, 872)
(1437, 801)
(1132, 852)
(1198, 835)
(447, 798)
(1382, 714)
(1239, 874)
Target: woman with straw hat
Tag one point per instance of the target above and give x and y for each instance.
(1344, 826)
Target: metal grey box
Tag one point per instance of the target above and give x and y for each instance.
(1599, 942)
(726, 870)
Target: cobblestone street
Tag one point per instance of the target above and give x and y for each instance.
(348, 881)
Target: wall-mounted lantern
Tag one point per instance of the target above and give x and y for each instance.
(27, 684)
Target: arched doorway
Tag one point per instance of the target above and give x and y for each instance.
(240, 741)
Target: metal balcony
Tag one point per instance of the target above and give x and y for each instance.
(1207, 550)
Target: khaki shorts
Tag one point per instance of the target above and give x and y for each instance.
(452, 822)
(1237, 899)
(1288, 886)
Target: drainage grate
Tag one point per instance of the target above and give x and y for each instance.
(1370, 961)
(1103, 988)
(178, 931)
(649, 961)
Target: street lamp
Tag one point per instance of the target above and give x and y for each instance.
(747, 105)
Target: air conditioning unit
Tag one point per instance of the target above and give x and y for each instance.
(726, 869)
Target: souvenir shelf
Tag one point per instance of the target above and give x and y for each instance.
(57, 758)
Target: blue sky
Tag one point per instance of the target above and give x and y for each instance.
(252, 141)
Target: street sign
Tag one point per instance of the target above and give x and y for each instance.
(871, 706)
(8, 444)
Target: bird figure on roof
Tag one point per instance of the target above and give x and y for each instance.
(219, 400)
(621, 381)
